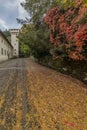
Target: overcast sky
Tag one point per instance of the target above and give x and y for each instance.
(9, 11)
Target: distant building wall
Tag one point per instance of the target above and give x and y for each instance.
(6, 49)
(15, 42)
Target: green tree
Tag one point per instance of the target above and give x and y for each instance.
(7, 34)
(36, 33)
(24, 49)
(38, 8)
(37, 40)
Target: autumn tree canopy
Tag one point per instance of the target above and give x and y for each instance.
(69, 27)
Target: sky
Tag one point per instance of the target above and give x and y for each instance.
(9, 11)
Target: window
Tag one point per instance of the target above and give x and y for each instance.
(2, 51)
(5, 52)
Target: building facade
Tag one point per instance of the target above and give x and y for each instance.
(6, 49)
(15, 42)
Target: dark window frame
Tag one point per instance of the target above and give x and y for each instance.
(2, 51)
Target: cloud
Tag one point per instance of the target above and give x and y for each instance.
(22, 13)
(9, 11)
(3, 24)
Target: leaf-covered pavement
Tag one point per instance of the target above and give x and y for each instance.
(33, 97)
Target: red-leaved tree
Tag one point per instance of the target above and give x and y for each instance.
(69, 29)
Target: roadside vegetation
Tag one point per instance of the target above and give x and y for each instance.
(56, 35)
(7, 34)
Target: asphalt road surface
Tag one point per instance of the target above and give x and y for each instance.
(33, 97)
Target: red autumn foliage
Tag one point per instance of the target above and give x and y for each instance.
(69, 27)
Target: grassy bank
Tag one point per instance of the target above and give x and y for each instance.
(76, 69)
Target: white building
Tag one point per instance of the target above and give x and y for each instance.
(6, 49)
(15, 42)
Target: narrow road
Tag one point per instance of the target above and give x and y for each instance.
(33, 97)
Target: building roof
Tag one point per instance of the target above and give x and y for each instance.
(14, 30)
(1, 33)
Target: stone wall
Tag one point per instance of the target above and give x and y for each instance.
(6, 50)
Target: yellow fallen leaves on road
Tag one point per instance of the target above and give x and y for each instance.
(38, 98)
